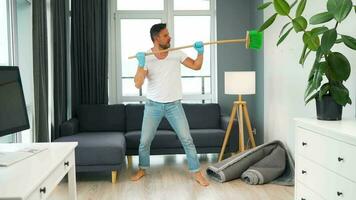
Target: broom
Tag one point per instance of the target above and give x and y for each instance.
(253, 40)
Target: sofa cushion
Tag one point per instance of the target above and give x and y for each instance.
(99, 148)
(162, 139)
(200, 116)
(134, 117)
(203, 116)
(208, 137)
(101, 118)
(168, 139)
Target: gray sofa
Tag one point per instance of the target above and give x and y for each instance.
(106, 133)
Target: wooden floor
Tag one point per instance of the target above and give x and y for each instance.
(168, 178)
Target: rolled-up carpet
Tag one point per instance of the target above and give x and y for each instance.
(267, 169)
(233, 167)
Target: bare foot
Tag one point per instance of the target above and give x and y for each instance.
(198, 176)
(140, 173)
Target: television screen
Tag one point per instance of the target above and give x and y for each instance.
(13, 113)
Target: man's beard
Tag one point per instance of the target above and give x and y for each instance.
(164, 46)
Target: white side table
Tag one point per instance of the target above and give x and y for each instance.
(35, 177)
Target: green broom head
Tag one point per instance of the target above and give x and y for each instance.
(254, 39)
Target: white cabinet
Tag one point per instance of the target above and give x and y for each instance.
(325, 159)
(49, 184)
(35, 177)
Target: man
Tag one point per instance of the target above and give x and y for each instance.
(164, 94)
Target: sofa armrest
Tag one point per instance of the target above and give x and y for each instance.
(69, 127)
(232, 145)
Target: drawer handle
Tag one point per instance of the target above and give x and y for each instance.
(43, 190)
(340, 194)
(66, 163)
(340, 159)
(304, 144)
(304, 172)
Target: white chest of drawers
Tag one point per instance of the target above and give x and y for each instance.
(325, 156)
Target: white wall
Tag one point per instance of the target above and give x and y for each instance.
(286, 80)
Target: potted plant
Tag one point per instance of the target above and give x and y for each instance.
(331, 66)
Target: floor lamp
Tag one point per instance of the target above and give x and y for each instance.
(239, 83)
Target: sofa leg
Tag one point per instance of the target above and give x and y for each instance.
(129, 160)
(113, 176)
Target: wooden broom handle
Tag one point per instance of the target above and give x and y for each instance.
(189, 46)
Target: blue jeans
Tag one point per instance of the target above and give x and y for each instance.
(173, 111)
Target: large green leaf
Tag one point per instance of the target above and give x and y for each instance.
(282, 7)
(317, 59)
(319, 30)
(339, 8)
(301, 7)
(321, 18)
(328, 40)
(340, 93)
(327, 73)
(323, 90)
(299, 24)
(339, 66)
(317, 79)
(311, 85)
(312, 41)
(318, 74)
(304, 55)
(264, 5)
(311, 97)
(355, 8)
(349, 41)
(338, 41)
(268, 23)
(283, 28)
(318, 56)
(309, 90)
(284, 36)
(349, 101)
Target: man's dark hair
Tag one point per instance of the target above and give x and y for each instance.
(155, 29)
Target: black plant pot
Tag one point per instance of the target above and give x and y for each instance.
(328, 109)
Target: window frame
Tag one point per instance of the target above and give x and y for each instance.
(167, 16)
(13, 53)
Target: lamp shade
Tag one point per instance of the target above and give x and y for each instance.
(240, 83)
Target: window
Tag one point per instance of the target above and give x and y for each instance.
(140, 5)
(191, 5)
(17, 31)
(133, 36)
(187, 21)
(4, 51)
